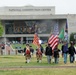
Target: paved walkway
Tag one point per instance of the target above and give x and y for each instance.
(34, 67)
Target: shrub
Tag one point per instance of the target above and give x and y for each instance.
(72, 37)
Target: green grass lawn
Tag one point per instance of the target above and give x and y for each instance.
(33, 46)
(24, 45)
(18, 61)
(9, 61)
(39, 72)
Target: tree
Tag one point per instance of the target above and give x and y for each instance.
(72, 36)
(1, 29)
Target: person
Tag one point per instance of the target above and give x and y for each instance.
(75, 53)
(41, 48)
(48, 53)
(31, 50)
(24, 51)
(27, 53)
(64, 49)
(38, 55)
(71, 52)
(56, 55)
(2, 49)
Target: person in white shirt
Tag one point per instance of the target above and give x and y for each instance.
(75, 53)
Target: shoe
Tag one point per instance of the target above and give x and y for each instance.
(26, 62)
(37, 61)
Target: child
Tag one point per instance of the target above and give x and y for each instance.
(39, 55)
(28, 54)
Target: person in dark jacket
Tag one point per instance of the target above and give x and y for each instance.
(65, 51)
(56, 54)
(71, 52)
(48, 53)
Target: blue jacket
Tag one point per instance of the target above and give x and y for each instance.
(65, 48)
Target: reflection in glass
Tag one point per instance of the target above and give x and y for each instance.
(29, 26)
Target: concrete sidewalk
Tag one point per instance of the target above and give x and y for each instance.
(33, 67)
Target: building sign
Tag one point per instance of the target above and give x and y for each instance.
(29, 9)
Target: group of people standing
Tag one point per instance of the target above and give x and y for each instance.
(29, 51)
(65, 51)
(51, 54)
(68, 50)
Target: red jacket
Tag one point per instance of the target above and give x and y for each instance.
(27, 51)
(39, 52)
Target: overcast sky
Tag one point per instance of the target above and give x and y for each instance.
(61, 6)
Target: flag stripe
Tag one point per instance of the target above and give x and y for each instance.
(56, 40)
(36, 40)
(54, 45)
(53, 41)
(51, 38)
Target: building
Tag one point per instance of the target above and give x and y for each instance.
(20, 23)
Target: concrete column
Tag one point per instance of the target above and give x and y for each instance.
(21, 40)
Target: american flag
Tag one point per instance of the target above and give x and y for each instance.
(53, 41)
(36, 40)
